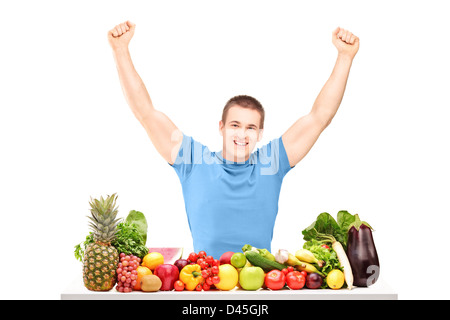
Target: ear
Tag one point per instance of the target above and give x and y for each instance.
(260, 134)
(221, 128)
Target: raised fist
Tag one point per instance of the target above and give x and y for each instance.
(120, 35)
(345, 42)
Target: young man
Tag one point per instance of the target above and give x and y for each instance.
(231, 196)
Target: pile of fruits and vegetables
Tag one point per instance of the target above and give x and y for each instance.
(336, 254)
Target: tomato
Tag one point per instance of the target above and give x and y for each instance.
(325, 246)
(202, 254)
(275, 279)
(178, 285)
(215, 270)
(209, 260)
(193, 257)
(288, 269)
(295, 280)
(206, 287)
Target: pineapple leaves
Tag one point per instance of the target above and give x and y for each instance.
(129, 236)
(103, 222)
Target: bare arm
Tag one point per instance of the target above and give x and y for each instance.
(163, 133)
(302, 135)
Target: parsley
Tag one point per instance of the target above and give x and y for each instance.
(128, 240)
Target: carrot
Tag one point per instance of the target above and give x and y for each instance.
(342, 257)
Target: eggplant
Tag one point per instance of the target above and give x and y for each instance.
(362, 254)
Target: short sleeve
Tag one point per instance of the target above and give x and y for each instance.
(284, 160)
(273, 159)
(189, 154)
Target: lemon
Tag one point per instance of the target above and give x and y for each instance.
(335, 279)
(152, 260)
(229, 277)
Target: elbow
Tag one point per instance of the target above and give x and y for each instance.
(323, 120)
(140, 117)
(327, 122)
(143, 115)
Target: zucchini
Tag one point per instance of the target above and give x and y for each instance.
(266, 264)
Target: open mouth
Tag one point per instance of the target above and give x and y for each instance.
(240, 144)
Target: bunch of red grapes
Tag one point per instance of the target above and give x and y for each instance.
(210, 269)
(126, 272)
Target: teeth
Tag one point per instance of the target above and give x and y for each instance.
(243, 144)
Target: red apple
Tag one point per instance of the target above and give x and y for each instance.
(168, 273)
(226, 257)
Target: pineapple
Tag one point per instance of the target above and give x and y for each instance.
(100, 258)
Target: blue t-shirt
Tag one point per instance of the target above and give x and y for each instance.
(230, 204)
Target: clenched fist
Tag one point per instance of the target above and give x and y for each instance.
(345, 42)
(120, 35)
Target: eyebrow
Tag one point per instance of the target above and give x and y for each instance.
(250, 125)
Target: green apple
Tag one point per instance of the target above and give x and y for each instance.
(251, 278)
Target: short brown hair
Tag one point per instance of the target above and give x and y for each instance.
(244, 102)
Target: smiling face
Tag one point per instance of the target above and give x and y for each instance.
(240, 131)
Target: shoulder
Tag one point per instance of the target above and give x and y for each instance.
(192, 152)
(273, 158)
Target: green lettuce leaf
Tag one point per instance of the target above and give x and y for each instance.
(345, 219)
(138, 219)
(326, 224)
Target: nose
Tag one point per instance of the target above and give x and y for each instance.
(241, 133)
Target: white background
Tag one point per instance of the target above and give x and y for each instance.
(67, 134)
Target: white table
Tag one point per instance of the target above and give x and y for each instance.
(379, 291)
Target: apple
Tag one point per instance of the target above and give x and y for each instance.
(251, 278)
(168, 273)
(226, 257)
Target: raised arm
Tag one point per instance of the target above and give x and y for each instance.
(163, 133)
(302, 135)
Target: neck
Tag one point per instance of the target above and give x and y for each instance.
(233, 157)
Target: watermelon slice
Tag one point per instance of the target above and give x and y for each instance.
(170, 254)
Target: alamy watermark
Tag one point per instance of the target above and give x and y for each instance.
(374, 272)
(199, 154)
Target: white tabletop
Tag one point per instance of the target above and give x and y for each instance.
(379, 291)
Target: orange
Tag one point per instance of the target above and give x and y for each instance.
(152, 260)
(141, 271)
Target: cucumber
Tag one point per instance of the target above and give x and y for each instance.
(266, 264)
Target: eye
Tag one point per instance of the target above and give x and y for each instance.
(234, 125)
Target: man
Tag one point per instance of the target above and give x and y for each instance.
(231, 196)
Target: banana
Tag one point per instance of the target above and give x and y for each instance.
(304, 266)
(307, 256)
(292, 260)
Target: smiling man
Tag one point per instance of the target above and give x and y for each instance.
(241, 127)
(231, 196)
